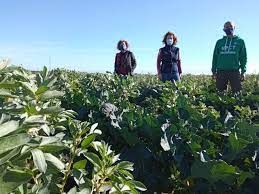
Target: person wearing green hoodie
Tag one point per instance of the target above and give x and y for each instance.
(228, 59)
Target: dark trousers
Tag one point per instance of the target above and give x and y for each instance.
(233, 77)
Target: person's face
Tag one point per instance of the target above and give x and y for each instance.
(123, 46)
(229, 26)
(169, 39)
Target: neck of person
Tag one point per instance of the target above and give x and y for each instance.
(231, 36)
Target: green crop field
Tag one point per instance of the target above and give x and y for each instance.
(71, 132)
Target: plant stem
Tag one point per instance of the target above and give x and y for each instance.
(68, 171)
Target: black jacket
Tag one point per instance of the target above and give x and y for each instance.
(125, 63)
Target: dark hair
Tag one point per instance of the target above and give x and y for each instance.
(120, 42)
(231, 23)
(170, 34)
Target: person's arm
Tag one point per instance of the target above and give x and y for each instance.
(215, 60)
(158, 64)
(179, 65)
(133, 62)
(116, 64)
(243, 58)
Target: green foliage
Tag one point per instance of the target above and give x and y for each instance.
(42, 145)
(182, 137)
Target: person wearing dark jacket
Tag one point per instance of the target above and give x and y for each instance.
(228, 58)
(125, 61)
(168, 59)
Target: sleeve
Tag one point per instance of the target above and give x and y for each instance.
(159, 59)
(116, 64)
(243, 58)
(179, 65)
(215, 59)
(133, 62)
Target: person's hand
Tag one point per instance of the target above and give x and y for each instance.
(159, 75)
(242, 77)
(180, 75)
(214, 76)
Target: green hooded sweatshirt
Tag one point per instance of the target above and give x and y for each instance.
(229, 54)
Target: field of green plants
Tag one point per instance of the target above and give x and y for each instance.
(71, 132)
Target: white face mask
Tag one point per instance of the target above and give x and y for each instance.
(169, 41)
(123, 47)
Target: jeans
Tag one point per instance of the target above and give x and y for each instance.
(170, 77)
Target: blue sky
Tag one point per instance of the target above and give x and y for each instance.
(82, 34)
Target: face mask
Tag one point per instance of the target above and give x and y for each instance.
(123, 47)
(229, 31)
(169, 41)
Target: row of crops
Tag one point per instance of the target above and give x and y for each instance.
(45, 149)
(71, 132)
